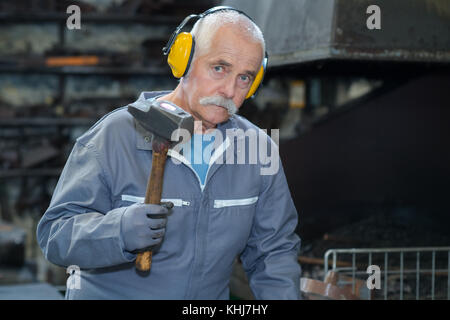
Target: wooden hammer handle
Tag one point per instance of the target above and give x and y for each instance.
(153, 196)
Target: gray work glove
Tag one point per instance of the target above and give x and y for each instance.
(143, 226)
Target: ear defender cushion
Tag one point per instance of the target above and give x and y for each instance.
(256, 83)
(181, 54)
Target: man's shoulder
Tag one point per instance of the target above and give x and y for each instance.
(111, 125)
(244, 124)
(116, 125)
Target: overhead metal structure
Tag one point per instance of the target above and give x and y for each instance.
(299, 31)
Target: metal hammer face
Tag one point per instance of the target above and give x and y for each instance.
(162, 118)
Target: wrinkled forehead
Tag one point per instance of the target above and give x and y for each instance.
(230, 43)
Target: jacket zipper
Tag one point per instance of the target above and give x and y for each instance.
(176, 202)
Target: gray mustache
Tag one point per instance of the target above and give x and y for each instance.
(220, 101)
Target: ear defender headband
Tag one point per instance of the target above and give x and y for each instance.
(181, 45)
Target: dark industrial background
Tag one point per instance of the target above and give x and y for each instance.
(363, 114)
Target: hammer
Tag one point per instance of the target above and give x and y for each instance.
(162, 119)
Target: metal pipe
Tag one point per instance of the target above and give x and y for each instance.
(370, 263)
(401, 275)
(385, 274)
(353, 272)
(417, 275)
(448, 277)
(390, 250)
(433, 264)
(391, 272)
(334, 260)
(325, 261)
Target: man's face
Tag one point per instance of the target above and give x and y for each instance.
(227, 70)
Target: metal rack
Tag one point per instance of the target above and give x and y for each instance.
(419, 268)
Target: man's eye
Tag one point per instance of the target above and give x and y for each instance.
(245, 78)
(244, 81)
(218, 68)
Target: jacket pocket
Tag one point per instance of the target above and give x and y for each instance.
(234, 202)
(230, 223)
(176, 202)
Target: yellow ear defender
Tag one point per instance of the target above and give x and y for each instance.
(181, 54)
(181, 45)
(258, 79)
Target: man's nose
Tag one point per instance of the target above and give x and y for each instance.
(228, 88)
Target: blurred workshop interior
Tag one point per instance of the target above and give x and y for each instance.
(363, 117)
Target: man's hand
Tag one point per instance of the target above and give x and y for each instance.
(143, 225)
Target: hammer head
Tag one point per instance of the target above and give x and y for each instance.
(162, 118)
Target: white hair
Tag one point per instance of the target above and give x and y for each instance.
(205, 29)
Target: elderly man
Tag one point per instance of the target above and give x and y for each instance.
(221, 210)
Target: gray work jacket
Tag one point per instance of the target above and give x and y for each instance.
(239, 211)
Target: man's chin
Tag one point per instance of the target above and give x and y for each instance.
(215, 120)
